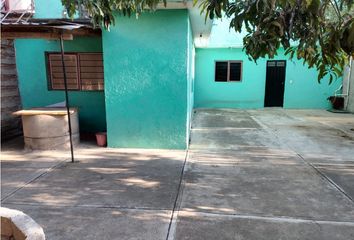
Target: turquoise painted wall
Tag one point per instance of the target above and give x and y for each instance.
(301, 87)
(145, 64)
(32, 75)
(48, 9)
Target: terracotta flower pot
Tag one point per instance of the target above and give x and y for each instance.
(101, 139)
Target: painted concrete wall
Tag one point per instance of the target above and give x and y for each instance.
(145, 64)
(33, 85)
(48, 9)
(301, 87)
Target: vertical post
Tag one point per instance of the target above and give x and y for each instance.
(66, 97)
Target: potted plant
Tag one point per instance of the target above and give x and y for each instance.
(337, 102)
(101, 139)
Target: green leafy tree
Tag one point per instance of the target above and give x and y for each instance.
(319, 32)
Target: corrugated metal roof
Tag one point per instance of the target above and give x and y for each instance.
(67, 24)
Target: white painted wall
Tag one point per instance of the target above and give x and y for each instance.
(348, 82)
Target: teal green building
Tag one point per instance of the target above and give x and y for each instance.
(156, 69)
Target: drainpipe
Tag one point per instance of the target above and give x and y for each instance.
(66, 97)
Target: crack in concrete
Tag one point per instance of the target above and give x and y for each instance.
(324, 176)
(175, 210)
(266, 218)
(319, 172)
(89, 206)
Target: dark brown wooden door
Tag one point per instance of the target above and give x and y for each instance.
(275, 80)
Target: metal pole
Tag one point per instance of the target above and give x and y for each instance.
(66, 97)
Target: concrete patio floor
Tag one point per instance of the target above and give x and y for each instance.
(248, 174)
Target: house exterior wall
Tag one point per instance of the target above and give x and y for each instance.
(301, 87)
(48, 9)
(145, 70)
(33, 82)
(10, 97)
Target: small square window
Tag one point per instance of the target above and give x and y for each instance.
(228, 71)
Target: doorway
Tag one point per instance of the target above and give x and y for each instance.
(275, 81)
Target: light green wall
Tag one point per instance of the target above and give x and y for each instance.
(301, 87)
(32, 75)
(208, 94)
(145, 64)
(48, 9)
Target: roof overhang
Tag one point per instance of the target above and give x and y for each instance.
(48, 29)
(201, 27)
(54, 28)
